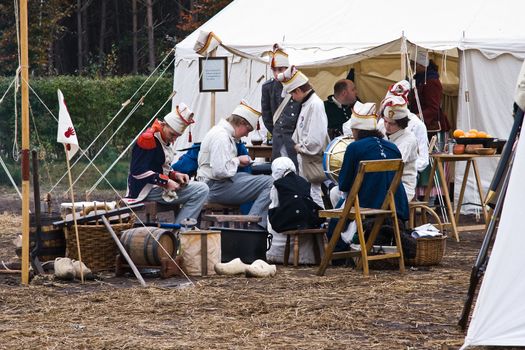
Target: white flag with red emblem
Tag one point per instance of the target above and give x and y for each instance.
(66, 131)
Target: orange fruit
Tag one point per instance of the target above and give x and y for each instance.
(471, 134)
(458, 133)
(473, 131)
(482, 134)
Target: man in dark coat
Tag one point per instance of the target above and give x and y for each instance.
(150, 175)
(279, 117)
(338, 106)
(430, 92)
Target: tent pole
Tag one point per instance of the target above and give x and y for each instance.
(403, 67)
(212, 115)
(403, 55)
(25, 141)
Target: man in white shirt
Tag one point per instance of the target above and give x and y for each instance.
(218, 163)
(397, 94)
(311, 132)
(396, 124)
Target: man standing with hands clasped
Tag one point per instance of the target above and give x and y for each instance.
(279, 110)
(310, 135)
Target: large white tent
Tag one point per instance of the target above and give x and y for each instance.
(481, 45)
(499, 315)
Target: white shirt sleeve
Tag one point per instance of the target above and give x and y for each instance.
(313, 134)
(223, 161)
(420, 132)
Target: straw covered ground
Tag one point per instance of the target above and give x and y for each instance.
(296, 309)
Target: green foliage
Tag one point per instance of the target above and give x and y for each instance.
(202, 10)
(118, 177)
(13, 169)
(92, 103)
(58, 44)
(44, 28)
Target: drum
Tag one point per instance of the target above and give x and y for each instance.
(334, 155)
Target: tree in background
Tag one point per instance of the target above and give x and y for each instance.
(198, 13)
(45, 29)
(100, 37)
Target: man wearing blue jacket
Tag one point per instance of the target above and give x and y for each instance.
(151, 177)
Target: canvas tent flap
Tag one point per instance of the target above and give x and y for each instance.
(499, 313)
(490, 85)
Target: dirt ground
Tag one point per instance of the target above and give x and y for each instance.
(296, 309)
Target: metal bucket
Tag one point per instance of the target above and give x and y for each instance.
(248, 245)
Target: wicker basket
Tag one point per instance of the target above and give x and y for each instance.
(429, 251)
(97, 247)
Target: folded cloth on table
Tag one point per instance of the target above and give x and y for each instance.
(426, 230)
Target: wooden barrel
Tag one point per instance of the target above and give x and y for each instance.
(142, 245)
(52, 242)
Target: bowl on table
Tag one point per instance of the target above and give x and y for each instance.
(485, 141)
(458, 149)
(498, 144)
(472, 148)
(485, 151)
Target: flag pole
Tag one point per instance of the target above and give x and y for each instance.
(74, 212)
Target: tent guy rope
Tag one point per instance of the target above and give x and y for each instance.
(138, 104)
(129, 146)
(123, 106)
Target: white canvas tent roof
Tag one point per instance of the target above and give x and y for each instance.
(317, 31)
(326, 38)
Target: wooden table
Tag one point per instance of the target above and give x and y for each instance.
(262, 151)
(438, 160)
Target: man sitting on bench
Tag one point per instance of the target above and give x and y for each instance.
(219, 160)
(150, 176)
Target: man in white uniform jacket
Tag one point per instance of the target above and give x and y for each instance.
(311, 131)
(398, 95)
(218, 163)
(396, 125)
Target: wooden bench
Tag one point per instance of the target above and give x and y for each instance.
(215, 208)
(303, 232)
(151, 209)
(238, 221)
(210, 208)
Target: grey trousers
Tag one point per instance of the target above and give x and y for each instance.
(192, 197)
(242, 188)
